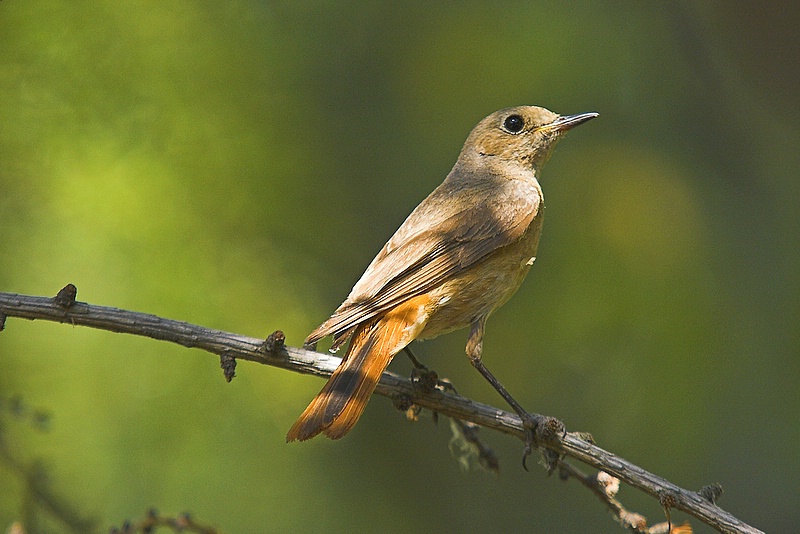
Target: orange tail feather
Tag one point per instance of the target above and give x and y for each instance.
(337, 408)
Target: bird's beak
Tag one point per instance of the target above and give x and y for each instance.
(562, 124)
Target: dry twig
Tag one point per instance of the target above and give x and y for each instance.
(65, 309)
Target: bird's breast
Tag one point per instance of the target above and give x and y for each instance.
(483, 287)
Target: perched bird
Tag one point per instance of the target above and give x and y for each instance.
(459, 256)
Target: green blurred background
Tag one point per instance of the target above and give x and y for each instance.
(238, 164)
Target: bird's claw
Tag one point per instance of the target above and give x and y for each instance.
(543, 431)
(425, 379)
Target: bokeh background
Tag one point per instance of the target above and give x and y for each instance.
(238, 164)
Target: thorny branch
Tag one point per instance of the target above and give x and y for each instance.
(230, 347)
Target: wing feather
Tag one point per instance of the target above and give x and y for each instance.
(436, 242)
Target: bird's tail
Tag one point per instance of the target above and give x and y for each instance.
(337, 408)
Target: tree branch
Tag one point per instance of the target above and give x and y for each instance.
(65, 309)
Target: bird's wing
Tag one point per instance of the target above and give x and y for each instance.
(438, 240)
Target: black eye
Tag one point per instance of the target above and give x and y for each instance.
(514, 124)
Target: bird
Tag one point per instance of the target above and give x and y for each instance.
(460, 255)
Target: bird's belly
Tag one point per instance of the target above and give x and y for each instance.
(482, 287)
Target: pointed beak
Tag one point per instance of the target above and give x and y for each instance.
(562, 124)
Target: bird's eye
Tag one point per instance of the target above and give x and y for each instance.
(513, 124)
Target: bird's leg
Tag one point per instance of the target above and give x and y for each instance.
(414, 361)
(420, 374)
(537, 427)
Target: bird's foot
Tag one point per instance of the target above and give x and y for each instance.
(543, 431)
(424, 379)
